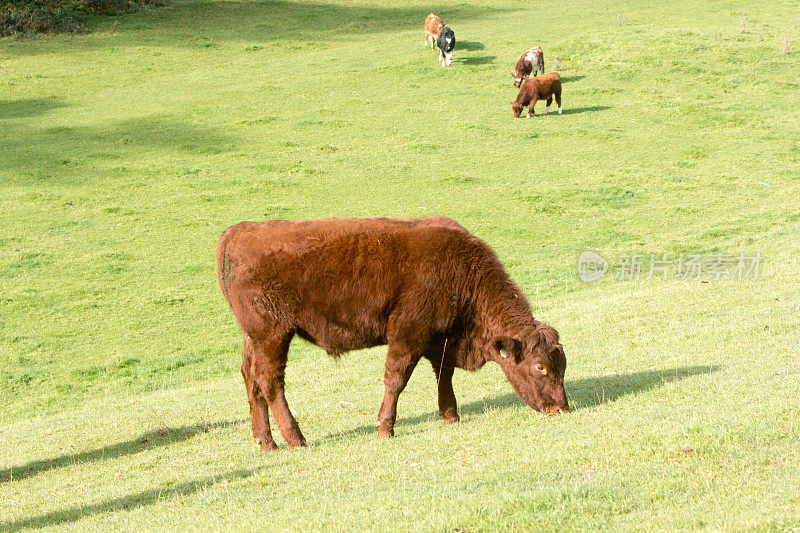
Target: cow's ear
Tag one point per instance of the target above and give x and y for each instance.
(507, 347)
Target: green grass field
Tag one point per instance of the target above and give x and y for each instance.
(126, 151)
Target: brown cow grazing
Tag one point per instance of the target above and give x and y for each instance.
(543, 87)
(530, 61)
(426, 287)
(433, 26)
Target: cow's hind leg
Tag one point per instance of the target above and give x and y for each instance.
(259, 415)
(558, 100)
(547, 105)
(268, 369)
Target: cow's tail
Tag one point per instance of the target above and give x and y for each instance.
(224, 267)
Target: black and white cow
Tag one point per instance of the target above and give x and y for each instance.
(445, 43)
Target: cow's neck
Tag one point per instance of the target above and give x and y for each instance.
(500, 308)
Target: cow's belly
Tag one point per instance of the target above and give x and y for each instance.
(337, 333)
(336, 340)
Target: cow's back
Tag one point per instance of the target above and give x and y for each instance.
(549, 84)
(432, 24)
(336, 281)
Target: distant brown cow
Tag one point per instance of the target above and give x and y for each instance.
(426, 287)
(530, 61)
(433, 26)
(543, 87)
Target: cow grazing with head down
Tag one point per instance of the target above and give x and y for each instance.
(531, 61)
(445, 43)
(433, 26)
(426, 287)
(543, 87)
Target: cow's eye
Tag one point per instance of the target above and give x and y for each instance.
(542, 369)
(539, 367)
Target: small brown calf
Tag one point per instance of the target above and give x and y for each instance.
(543, 87)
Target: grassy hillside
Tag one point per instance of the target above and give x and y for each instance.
(125, 152)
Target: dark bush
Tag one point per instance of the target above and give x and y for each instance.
(113, 7)
(19, 17)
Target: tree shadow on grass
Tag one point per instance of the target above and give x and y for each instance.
(28, 107)
(147, 441)
(281, 23)
(276, 19)
(477, 60)
(139, 499)
(39, 155)
(584, 393)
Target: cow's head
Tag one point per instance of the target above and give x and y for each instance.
(518, 79)
(517, 108)
(535, 366)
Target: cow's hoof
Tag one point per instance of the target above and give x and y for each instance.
(384, 433)
(451, 420)
(296, 443)
(266, 445)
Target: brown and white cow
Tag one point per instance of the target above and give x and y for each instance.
(531, 61)
(543, 87)
(433, 26)
(426, 287)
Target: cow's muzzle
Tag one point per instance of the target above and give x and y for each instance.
(557, 410)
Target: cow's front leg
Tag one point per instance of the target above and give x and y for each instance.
(531, 111)
(448, 407)
(400, 363)
(269, 369)
(449, 55)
